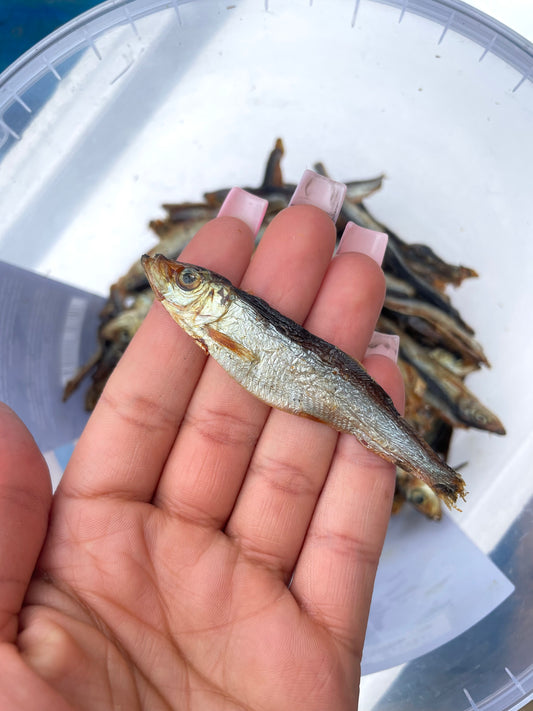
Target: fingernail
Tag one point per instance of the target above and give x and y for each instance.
(359, 239)
(322, 192)
(385, 344)
(247, 207)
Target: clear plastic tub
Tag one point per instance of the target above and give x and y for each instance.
(137, 103)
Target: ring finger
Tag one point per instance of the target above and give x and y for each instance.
(292, 458)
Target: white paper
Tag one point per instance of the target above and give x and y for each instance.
(432, 584)
(47, 329)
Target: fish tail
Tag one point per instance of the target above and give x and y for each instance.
(450, 491)
(448, 484)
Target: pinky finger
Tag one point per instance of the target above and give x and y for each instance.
(334, 576)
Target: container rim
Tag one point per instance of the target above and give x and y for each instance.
(493, 36)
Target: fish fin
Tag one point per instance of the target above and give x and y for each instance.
(310, 417)
(323, 420)
(202, 344)
(226, 342)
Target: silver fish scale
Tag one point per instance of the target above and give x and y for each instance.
(287, 376)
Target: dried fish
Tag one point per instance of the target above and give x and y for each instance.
(428, 265)
(436, 327)
(445, 391)
(453, 363)
(417, 493)
(115, 332)
(287, 367)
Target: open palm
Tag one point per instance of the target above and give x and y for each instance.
(202, 551)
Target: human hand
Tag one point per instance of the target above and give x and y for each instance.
(202, 551)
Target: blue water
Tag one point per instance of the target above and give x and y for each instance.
(24, 22)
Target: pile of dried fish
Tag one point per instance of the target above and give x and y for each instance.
(437, 348)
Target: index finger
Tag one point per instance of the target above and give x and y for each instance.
(129, 435)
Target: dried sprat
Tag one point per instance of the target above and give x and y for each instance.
(289, 368)
(437, 346)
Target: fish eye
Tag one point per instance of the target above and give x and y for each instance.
(188, 278)
(418, 497)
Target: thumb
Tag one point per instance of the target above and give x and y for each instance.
(25, 499)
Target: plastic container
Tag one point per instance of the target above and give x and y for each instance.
(143, 102)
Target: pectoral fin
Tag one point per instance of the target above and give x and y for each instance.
(226, 342)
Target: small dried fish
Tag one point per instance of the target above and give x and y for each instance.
(445, 391)
(417, 493)
(430, 266)
(287, 367)
(436, 327)
(118, 326)
(452, 362)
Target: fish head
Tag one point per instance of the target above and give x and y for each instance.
(418, 494)
(479, 415)
(193, 296)
(425, 500)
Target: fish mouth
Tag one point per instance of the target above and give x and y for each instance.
(160, 271)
